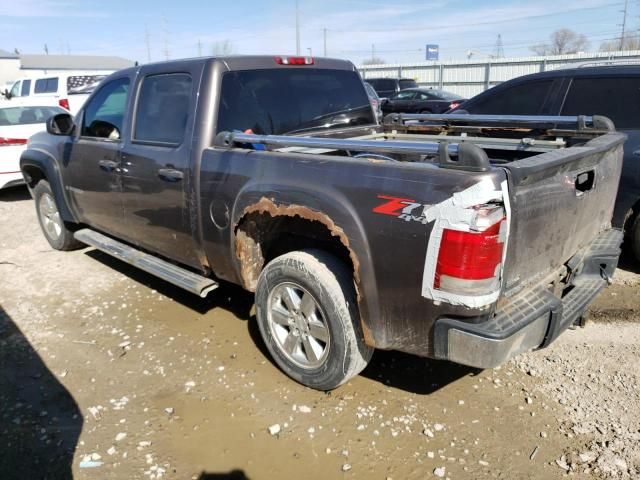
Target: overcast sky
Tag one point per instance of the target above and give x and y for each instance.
(397, 29)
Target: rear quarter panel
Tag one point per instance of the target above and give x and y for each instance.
(390, 251)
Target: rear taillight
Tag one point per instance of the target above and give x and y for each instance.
(294, 60)
(469, 262)
(9, 142)
(453, 105)
(64, 103)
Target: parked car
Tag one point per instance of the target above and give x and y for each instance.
(385, 87)
(54, 89)
(610, 90)
(421, 100)
(17, 124)
(376, 104)
(351, 237)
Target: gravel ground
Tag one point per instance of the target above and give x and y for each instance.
(106, 372)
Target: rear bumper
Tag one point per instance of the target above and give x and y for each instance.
(533, 319)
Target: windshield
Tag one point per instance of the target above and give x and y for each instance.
(407, 84)
(27, 115)
(441, 94)
(279, 101)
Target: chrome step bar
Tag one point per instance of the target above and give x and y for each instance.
(174, 274)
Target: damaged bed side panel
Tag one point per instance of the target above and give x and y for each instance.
(374, 210)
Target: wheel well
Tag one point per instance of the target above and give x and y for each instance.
(631, 216)
(34, 175)
(261, 237)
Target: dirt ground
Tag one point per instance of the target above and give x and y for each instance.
(106, 372)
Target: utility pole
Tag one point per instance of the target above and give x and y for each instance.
(498, 51)
(373, 52)
(166, 38)
(199, 48)
(324, 31)
(624, 24)
(297, 30)
(146, 39)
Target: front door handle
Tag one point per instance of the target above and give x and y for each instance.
(108, 165)
(170, 174)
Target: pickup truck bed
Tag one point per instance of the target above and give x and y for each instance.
(467, 238)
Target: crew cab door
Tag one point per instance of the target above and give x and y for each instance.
(93, 157)
(156, 175)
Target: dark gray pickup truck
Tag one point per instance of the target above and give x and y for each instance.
(466, 238)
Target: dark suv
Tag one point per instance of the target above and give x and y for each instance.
(385, 87)
(609, 90)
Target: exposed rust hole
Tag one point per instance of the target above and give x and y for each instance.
(267, 230)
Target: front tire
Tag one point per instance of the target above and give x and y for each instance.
(51, 223)
(308, 318)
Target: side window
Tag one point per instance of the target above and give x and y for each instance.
(617, 98)
(15, 90)
(46, 85)
(423, 96)
(104, 114)
(523, 99)
(163, 108)
(26, 88)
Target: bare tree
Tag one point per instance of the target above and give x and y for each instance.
(563, 41)
(373, 61)
(629, 42)
(224, 47)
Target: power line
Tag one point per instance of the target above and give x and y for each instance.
(479, 24)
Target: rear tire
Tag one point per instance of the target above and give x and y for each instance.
(425, 112)
(51, 223)
(308, 318)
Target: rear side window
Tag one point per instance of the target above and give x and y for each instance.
(46, 85)
(286, 100)
(26, 87)
(616, 98)
(163, 108)
(383, 84)
(522, 99)
(407, 84)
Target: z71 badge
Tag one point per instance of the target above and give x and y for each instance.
(406, 209)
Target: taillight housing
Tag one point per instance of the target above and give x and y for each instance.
(453, 105)
(294, 60)
(10, 142)
(470, 261)
(64, 103)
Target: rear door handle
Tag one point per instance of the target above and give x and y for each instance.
(170, 174)
(108, 165)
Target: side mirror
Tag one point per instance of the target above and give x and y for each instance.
(384, 100)
(6, 94)
(60, 124)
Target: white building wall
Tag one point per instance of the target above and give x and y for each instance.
(470, 77)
